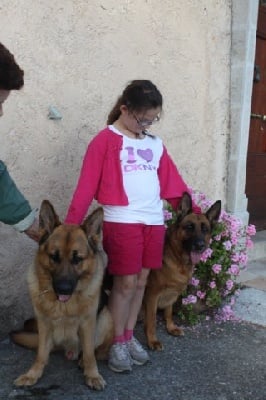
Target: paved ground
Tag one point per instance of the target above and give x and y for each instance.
(211, 362)
(251, 304)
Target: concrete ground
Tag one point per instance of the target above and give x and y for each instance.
(211, 362)
(251, 304)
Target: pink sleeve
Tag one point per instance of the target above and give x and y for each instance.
(88, 182)
(172, 184)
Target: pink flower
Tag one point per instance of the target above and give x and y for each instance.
(234, 270)
(234, 241)
(243, 258)
(235, 257)
(235, 223)
(189, 300)
(216, 268)
(212, 285)
(251, 230)
(194, 281)
(249, 243)
(167, 215)
(229, 284)
(206, 254)
(217, 238)
(201, 295)
(227, 245)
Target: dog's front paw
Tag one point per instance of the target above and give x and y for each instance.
(175, 331)
(95, 382)
(25, 380)
(155, 345)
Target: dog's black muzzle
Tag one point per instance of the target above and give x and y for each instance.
(64, 287)
(199, 246)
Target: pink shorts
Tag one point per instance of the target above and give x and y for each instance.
(131, 247)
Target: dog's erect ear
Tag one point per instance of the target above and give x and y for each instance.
(93, 225)
(185, 206)
(48, 220)
(214, 212)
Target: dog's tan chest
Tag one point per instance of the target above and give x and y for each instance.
(65, 332)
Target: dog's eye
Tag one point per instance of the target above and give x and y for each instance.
(76, 259)
(204, 228)
(55, 257)
(189, 227)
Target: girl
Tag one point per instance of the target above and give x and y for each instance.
(128, 170)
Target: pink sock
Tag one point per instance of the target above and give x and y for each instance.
(119, 339)
(128, 334)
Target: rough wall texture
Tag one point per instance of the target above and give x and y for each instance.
(78, 56)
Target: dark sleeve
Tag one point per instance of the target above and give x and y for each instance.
(13, 205)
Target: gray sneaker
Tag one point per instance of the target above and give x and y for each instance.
(138, 355)
(119, 358)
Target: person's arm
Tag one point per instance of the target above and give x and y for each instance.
(172, 184)
(89, 179)
(15, 210)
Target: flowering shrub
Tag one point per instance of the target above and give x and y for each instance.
(213, 286)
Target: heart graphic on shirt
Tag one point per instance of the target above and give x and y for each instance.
(147, 154)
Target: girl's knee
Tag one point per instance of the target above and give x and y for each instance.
(125, 284)
(142, 278)
(141, 284)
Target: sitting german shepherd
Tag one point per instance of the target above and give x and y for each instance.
(65, 285)
(185, 240)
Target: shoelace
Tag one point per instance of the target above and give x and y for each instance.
(121, 351)
(136, 344)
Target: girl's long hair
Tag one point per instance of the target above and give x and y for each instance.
(139, 95)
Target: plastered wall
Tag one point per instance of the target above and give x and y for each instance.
(78, 56)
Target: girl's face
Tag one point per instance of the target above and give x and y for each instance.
(138, 121)
(3, 96)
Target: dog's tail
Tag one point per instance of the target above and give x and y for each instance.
(25, 339)
(28, 336)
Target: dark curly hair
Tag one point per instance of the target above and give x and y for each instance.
(139, 95)
(11, 75)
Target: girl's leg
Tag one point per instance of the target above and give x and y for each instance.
(120, 300)
(137, 299)
(137, 353)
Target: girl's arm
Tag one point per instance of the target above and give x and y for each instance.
(172, 184)
(89, 179)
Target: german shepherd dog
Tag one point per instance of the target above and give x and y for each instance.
(185, 240)
(65, 285)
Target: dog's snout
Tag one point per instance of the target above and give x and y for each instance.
(64, 286)
(200, 245)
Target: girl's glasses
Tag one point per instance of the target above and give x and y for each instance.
(145, 122)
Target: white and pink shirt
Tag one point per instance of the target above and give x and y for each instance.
(139, 160)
